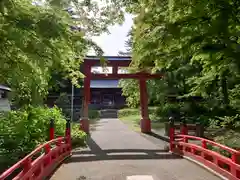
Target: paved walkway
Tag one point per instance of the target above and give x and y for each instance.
(117, 153)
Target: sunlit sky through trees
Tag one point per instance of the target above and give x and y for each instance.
(114, 42)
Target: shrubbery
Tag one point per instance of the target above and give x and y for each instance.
(190, 112)
(78, 137)
(22, 130)
(64, 103)
(128, 112)
(229, 133)
(164, 110)
(93, 114)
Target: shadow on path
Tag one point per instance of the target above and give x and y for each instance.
(157, 136)
(97, 154)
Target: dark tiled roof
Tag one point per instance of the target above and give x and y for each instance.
(110, 58)
(104, 84)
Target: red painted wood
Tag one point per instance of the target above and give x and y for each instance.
(208, 157)
(204, 144)
(51, 131)
(142, 76)
(44, 164)
(68, 129)
(67, 132)
(143, 98)
(84, 123)
(145, 121)
(171, 138)
(230, 150)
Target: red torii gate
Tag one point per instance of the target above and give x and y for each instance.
(116, 63)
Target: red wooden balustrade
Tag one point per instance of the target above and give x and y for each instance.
(198, 149)
(42, 161)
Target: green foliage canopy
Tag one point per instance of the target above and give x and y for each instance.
(39, 38)
(194, 43)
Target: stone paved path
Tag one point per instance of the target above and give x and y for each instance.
(117, 153)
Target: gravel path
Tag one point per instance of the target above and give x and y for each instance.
(116, 153)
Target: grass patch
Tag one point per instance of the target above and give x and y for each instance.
(132, 120)
(94, 117)
(132, 117)
(158, 125)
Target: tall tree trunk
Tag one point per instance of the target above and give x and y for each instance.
(224, 90)
(184, 85)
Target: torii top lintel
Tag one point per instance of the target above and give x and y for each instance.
(115, 62)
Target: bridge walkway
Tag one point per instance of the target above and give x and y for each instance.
(115, 152)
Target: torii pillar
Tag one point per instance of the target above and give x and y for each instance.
(145, 120)
(84, 122)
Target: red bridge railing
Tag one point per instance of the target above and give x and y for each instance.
(41, 162)
(202, 150)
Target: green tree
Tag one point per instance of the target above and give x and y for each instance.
(196, 45)
(41, 38)
(128, 45)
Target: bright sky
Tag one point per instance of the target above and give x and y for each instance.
(114, 42)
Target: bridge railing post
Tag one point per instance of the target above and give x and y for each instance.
(59, 141)
(171, 134)
(184, 128)
(47, 150)
(233, 167)
(27, 165)
(68, 128)
(68, 133)
(199, 130)
(204, 145)
(51, 129)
